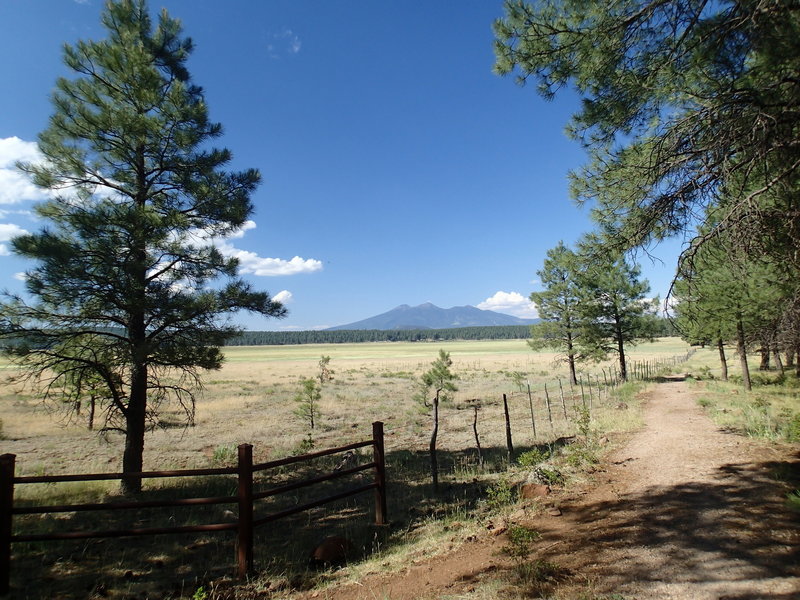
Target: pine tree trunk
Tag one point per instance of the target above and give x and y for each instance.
(790, 359)
(723, 362)
(573, 379)
(741, 348)
(623, 368)
(92, 404)
(764, 365)
(797, 362)
(432, 448)
(133, 456)
(778, 360)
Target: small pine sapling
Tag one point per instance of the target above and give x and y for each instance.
(307, 399)
(325, 371)
(438, 378)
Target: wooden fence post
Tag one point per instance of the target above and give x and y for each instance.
(509, 443)
(380, 473)
(244, 546)
(530, 404)
(6, 507)
(549, 412)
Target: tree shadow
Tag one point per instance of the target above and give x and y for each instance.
(727, 534)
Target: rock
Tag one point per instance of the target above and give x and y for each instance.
(554, 512)
(497, 528)
(333, 550)
(516, 516)
(603, 441)
(529, 491)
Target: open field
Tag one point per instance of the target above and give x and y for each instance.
(251, 399)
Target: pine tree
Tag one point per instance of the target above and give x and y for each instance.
(615, 308)
(124, 285)
(438, 378)
(686, 105)
(559, 307)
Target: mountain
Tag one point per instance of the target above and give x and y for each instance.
(429, 316)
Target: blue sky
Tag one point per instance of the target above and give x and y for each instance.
(397, 168)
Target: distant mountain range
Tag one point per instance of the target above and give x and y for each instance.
(430, 316)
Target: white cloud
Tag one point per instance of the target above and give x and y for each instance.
(512, 303)
(15, 186)
(8, 231)
(284, 42)
(248, 225)
(20, 276)
(284, 297)
(251, 263)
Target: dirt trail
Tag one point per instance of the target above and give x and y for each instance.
(683, 511)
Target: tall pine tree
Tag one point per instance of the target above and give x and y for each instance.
(559, 307)
(615, 307)
(125, 286)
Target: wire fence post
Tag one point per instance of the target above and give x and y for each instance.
(380, 473)
(509, 442)
(244, 546)
(530, 403)
(6, 507)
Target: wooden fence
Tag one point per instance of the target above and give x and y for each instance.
(245, 499)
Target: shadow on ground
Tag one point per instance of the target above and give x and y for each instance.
(724, 534)
(175, 566)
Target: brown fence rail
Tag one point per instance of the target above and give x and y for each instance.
(245, 499)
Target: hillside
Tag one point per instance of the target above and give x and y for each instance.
(430, 316)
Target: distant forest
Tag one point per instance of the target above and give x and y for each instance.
(352, 336)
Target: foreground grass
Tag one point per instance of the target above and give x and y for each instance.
(770, 411)
(251, 400)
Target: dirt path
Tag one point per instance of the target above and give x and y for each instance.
(683, 511)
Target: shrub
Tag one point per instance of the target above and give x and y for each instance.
(520, 542)
(225, 456)
(500, 494)
(793, 500)
(533, 457)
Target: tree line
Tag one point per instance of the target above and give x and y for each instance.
(661, 328)
(352, 336)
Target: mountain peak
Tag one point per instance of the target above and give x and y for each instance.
(430, 316)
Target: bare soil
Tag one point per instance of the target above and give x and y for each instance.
(683, 510)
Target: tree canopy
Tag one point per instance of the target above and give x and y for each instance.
(690, 110)
(559, 306)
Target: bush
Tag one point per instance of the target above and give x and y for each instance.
(500, 494)
(548, 475)
(789, 425)
(533, 457)
(520, 542)
(793, 500)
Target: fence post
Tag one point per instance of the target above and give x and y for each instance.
(509, 443)
(244, 545)
(530, 404)
(6, 508)
(380, 473)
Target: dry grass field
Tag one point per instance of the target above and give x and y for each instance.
(251, 399)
